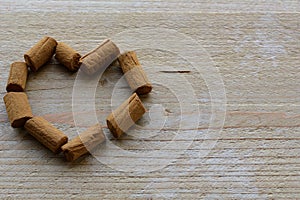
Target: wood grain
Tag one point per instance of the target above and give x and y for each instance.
(255, 46)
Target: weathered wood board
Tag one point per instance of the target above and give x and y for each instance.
(254, 45)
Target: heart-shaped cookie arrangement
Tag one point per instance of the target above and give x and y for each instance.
(119, 121)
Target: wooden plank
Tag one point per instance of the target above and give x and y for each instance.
(151, 6)
(255, 46)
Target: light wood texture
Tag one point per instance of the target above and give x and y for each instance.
(255, 46)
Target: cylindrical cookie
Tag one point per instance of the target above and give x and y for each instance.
(40, 53)
(84, 143)
(67, 56)
(134, 73)
(121, 119)
(17, 77)
(99, 58)
(18, 108)
(46, 133)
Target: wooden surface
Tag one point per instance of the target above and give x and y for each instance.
(255, 46)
